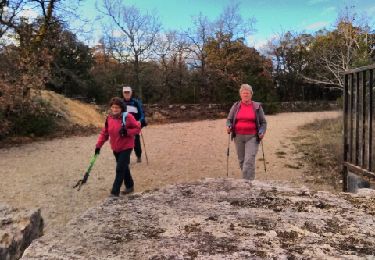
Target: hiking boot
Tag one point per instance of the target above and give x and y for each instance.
(112, 195)
(139, 159)
(128, 191)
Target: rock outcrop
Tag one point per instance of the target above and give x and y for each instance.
(219, 219)
(18, 227)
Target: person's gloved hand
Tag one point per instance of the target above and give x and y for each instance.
(143, 123)
(123, 132)
(97, 150)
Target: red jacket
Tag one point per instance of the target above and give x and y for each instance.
(112, 132)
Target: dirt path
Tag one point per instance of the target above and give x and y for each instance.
(42, 174)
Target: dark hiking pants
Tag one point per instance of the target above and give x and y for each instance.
(137, 146)
(122, 171)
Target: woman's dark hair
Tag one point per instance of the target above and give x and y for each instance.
(117, 101)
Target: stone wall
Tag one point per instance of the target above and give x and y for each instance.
(177, 113)
(310, 106)
(18, 227)
(156, 113)
(219, 219)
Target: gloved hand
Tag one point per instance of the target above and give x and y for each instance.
(97, 150)
(143, 123)
(123, 132)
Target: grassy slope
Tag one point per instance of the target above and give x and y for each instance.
(321, 145)
(73, 111)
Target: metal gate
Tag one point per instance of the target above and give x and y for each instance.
(358, 123)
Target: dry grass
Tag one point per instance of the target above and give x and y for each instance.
(74, 111)
(320, 143)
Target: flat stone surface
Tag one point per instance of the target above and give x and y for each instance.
(18, 227)
(219, 219)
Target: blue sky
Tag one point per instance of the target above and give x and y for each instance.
(272, 17)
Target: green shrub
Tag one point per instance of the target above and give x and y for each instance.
(34, 124)
(271, 108)
(340, 101)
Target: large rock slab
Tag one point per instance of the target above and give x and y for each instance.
(18, 227)
(218, 219)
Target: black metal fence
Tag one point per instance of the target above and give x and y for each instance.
(359, 111)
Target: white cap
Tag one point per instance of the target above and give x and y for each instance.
(126, 89)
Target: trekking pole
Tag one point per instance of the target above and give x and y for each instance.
(264, 159)
(144, 145)
(87, 173)
(228, 155)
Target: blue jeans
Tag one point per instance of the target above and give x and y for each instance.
(122, 171)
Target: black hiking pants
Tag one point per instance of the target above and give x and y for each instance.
(122, 171)
(137, 146)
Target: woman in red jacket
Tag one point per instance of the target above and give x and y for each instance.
(120, 128)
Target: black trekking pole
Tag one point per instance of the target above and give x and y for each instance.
(228, 154)
(87, 173)
(144, 145)
(264, 159)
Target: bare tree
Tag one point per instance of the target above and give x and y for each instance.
(136, 32)
(8, 14)
(172, 49)
(198, 37)
(30, 59)
(165, 49)
(347, 46)
(233, 24)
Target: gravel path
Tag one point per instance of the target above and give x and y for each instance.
(42, 174)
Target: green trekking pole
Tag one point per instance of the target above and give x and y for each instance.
(86, 176)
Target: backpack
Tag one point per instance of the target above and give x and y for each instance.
(124, 116)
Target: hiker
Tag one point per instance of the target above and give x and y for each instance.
(247, 124)
(134, 107)
(120, 127)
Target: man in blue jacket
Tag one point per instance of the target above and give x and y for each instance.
(134, 106)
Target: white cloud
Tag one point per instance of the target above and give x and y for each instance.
(260, 44)
(29, 13)
(371, 10)
(117, 33)
(317, 25)
(256, 43)
(314, 2)
(329, 10)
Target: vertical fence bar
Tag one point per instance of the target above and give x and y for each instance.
(357, 121)
(351, 118)
(371, 85)
(358, 143)
(345, 117)
(363, 165)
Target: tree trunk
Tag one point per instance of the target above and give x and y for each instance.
(136, 77)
